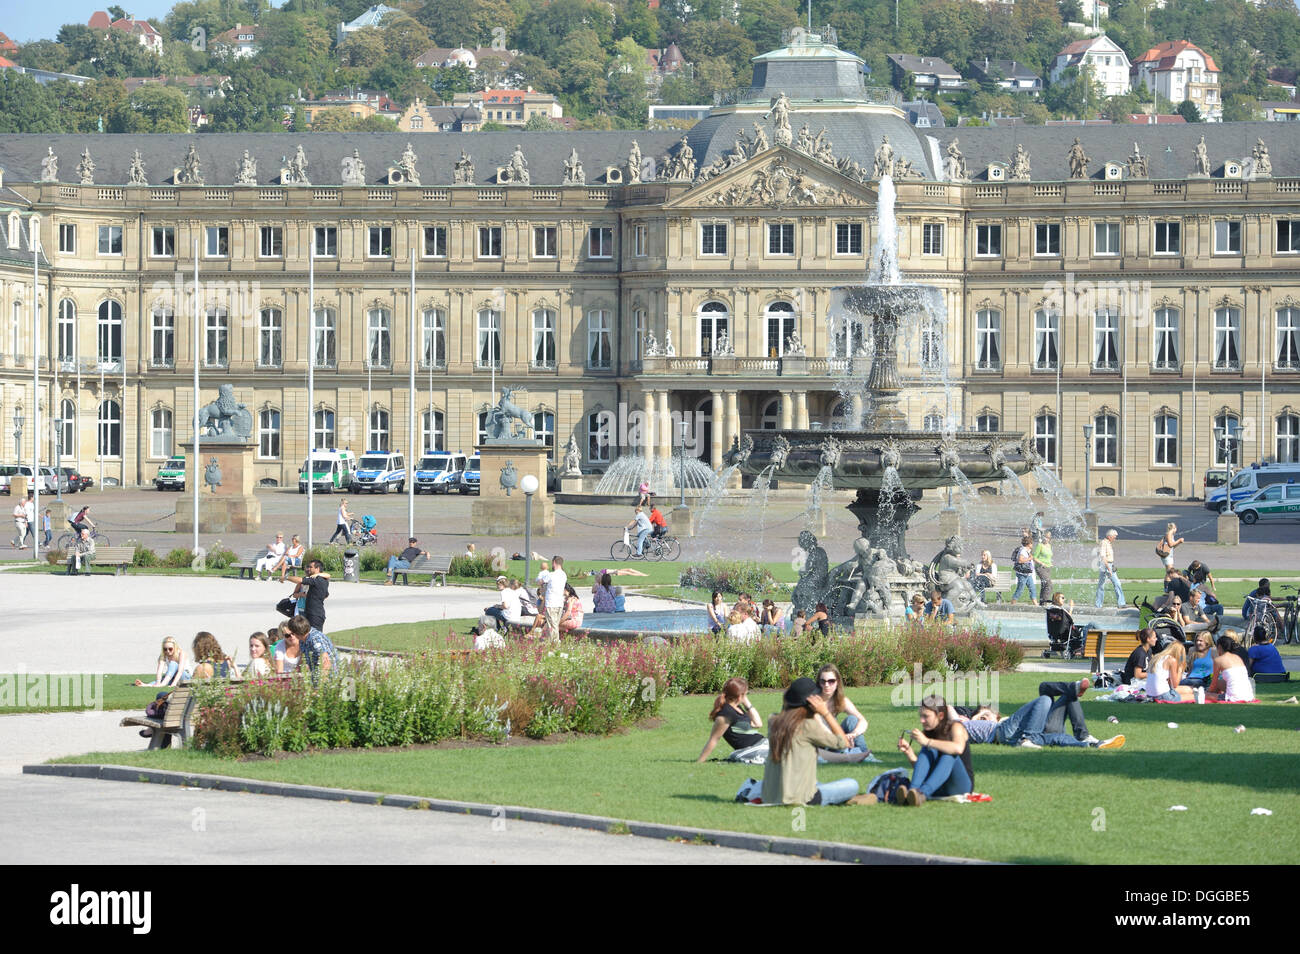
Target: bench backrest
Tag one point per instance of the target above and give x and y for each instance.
(440, 563)
(114, 554)
(177, 701)
(252, 556)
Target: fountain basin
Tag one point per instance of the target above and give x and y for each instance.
(688, 620)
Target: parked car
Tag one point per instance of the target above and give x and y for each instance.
(171, 474)
(50, 482)
(75, 482)
(1247, 482)
(6, 471)
(1277, 502)
(1214, 479)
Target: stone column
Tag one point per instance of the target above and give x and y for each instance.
(787, 410)
(650, 433)
(715, 431)
(801, 411)
(733, 418)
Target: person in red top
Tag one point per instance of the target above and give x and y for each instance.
(657, 521)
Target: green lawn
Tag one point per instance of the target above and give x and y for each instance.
(113, 690)
(403, 637)
(1049, 806)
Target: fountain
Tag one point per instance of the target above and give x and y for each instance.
(876, 454)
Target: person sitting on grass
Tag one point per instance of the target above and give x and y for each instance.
(942, 767)
(799, 622)
(404, 560)
(1231, 679)
(1165, 678)
(1139, 660)
(571, 618)
(1039, 722)
(171, 665)
(288, 652)
(790, 773)
(734, 721)
(717, 613)
(1264, 657)
(210, 660)
(770, 618)
(831, 685)
(602, 595)
(1201, 662)
(915, 609)
(940, 609)
(485, 637)
(741, 626)
(316, 650)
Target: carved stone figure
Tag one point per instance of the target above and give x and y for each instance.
(814, 577)
(509, 477)
(794, 345)
(1201, 159)
(822, 148)
(136, 175)
(760, 140)
(247, 174)
(903, 169)
(1138, 164)
(1078, 160)
(954, 163)
(191, 171)
(297, 169)
(805, 143)
(669, 351)
(353, 169)
(516, 169)
(507, 422)
(462, 173)
(723, 345)
(948, 573)
(634, 164)
(780, 115)
(212, 474)
(225, 420)
(1020, 164)
(410, 176)
(872, 567)
(86, 168)
(573, 174)
(1263, 164)
(50, 166)
(572, 459)
(884, 165)
(651, 347)
(681, 167)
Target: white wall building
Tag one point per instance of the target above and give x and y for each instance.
(1180, 71)
(1100, 55)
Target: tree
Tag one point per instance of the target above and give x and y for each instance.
(116, 13)
(1187, 109)
(678, 91)
(154, 109)
(1071, 11)
(361, 48)
(718, 39)
(764, 21)
(26, 106)
(404, 37)
(493, 126)
(1035, 114)
(469, 22)
(44, 55)
(634, 19)
(540, 122)
(450, 80)
(252, 104)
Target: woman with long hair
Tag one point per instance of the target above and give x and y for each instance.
(831, 685)
(734, 720)
(259, 663)
(1165, 677)
(770, 618)
(717, 613)
(210, 660)
(171, 664)
(821, 619)
(1201, 660)
(1231, 676)
(571, 619)
(942, 766)
(790, 773)
(1165, 545)
(602, 595)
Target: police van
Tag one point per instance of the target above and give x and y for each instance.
(470, 476)
(330, 470)
(380, 472)
(1252, 480)
(1278, 502)
(439, 472)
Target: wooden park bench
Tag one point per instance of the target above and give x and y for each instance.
(430, 566)
(119, 558)
(1122, 642)
(175, 718)
(247, 562)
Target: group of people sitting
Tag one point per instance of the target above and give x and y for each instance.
(809, 730)
(746, 620)
(277, 652)
(1215, 670)
(553, 609)
(279, 557)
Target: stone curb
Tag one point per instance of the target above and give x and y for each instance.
(826, 850)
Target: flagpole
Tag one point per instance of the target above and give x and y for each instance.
(36, 400)
(311, 382)
(194, 477)
(410, 427)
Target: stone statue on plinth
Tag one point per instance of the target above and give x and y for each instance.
(507, 423)
(225, 420)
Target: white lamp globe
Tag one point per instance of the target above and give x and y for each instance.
(528, 484)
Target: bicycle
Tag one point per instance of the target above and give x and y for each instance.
(68, 539)
(654, 549)
(1290, 617)
(1263, 615)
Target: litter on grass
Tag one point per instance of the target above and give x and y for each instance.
(1173, 725)
(1239, 729)
(1260, 811)
(1112, 719)
(1178, 808)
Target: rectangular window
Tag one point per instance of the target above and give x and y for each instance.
(1227, 339)
(1227, 237)
(1045, 437)
(713, 239)
(381, 242)
(1288, 236)
(1105, 238)
(162, 338)
(67, 237)
(1047, 238)
(1105, 355)
(639, 241)
(780, 238)
(1046, 329)
(1166, 440)
(600, 353)
(217, 243)
(326, 241)
(988, 241)
(544, 241)
(1165, 348)
(110, 240)
(848, 238)
(600, 242)
(270, 337)
(270, 243)
(489, 241)
(1168, 238)
(1105, 441)
(216, 341)
(435, 241)
(163, 244)
(932, 238)
(268, 434)
(988, 339)
(489, 338)
(1288, 339)
(433, 350)
(543, 338)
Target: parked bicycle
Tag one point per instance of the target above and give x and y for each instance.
(1289, 632)
(101, 540)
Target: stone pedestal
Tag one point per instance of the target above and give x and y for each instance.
(1229, 527)
(18, 487)
(949, 523)
(570, 485)
(1090, 526)
(498, 510)
(683, 522)
(228, 508)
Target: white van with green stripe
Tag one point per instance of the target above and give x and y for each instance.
(1278, 502)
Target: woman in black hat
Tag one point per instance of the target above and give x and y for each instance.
(943, 766)
(790, 774)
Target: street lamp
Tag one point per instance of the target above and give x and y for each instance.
(1227, 441)
(529, 486)
(58, 456)
(1087, 470)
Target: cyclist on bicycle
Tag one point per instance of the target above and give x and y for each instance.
(641, 523)
(658, 522)
(82, 521)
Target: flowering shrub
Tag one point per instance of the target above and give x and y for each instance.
(732, 576)
(474, 567)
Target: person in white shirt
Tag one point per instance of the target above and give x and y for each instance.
(486, 638)
(642, 525)
(20, 525)
(552, 583)
(1106, 570)
(271, 559)
(29, 511)
(743, 629)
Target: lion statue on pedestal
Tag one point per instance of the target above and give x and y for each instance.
(225, 418)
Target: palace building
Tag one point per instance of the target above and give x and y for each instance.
(1141, 280)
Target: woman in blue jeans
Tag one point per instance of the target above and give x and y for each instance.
(942, 766)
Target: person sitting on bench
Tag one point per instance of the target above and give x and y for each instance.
(82, 549)
(404, 561)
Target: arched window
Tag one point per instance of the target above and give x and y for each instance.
(543, 338)
(1227, 425)
(770, 417)
(379, 338)
(1288, 439)
(1045, 437)
(270, 339)
(323, 434)
(377, 438)
(544, 430)
(433, 429)
(987, 422)
(433, 350)
(67, 428)
(110, 429)
(1105, 440)
(268, 433)
(715, 321)
(67, 334)
(1047, 326)
(1164, 352)
(932, 422)
(600, 436)
(779, 319)
(988, 339)
(1166, 440)
(109, 333)
(160, 432)
(324, 342)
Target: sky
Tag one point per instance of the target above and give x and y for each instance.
(25, 20)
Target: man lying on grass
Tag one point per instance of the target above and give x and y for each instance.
(1037, 723)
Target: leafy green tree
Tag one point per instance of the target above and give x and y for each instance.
(154, 109)
(679, 91)
(296, 47)
(44, 55)
(1187, 109)
(404, 36)
(493, 126)
(252, 104)
(535, 72)
(361, 48)
(1035, 114)
(713, 74)
(629, 76)
(1239, 108)
(540, 122)
(1071, 11)
(26, 106)
(468, 22)
(116, 13)
(544, 29)
(450, 80)
(634, 19)
(718, 39)
(764, 20)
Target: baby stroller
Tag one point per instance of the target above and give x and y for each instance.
(365, 530)
(1167, 630)
(1065, 639)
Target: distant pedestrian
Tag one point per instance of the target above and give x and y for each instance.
(551, 586)
(1043, 567)
(1022, 561)
(29, 509)
(1165, 545)
(1036, 527)
(342, 521)
(45, 528)
(1106, 569)
(20, 526)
